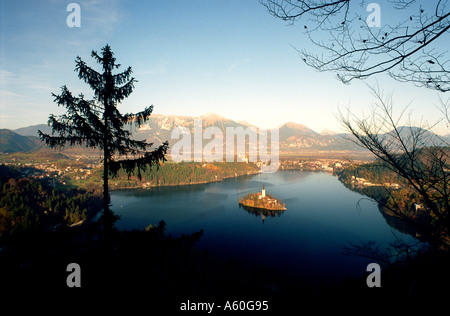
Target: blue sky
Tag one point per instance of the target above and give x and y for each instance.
(189, 57)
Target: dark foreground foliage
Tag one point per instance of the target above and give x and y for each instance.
(151, 267)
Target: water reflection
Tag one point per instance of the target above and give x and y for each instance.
(263, 213)
(398, 223)
(161, 191)
(306, 240)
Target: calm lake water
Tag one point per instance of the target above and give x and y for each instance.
(307, 239)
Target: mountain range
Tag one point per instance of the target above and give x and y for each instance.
(294, 138)
(13, 142)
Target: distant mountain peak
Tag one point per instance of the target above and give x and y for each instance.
(33, 130)
(213, 116)
(290, 129)
(294, 125)
(11, 142)
(328, 132)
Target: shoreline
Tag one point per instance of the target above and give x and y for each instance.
(111, 188)
(181, 184)
(262, 208)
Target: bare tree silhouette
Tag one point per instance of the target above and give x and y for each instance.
(413, 152)
(410, 49)
(413, 49)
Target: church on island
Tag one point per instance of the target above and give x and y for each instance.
(261, 200)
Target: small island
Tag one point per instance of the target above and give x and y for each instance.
(261, 200)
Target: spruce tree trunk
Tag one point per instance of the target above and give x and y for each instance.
(106, 213)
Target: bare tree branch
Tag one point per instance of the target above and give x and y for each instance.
(413, 50)
(414, 153)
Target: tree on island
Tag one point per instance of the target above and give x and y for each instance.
(98, 123)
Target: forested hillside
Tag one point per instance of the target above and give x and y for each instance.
(11, 142)
(374, 172)
(182, 173)
(30, 204)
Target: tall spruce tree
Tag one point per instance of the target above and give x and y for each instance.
(98, 123)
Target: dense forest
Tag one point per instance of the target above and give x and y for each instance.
(381, 178)
(30, 204)
(181, 173)
(372, 172)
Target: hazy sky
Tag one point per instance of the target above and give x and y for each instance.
(230, 57)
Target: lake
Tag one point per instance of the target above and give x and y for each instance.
(307, 239)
